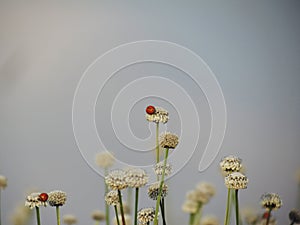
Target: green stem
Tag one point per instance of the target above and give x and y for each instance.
(192, 216)
(136, 205)
(97, 222)
(157, 143)
(38, 219)
(117, 216)
(57, 215)
(0, 207)
(198, 215)
(160, 188)
(269, 216)
(162, 209)
(227, 208)
(237, 208)
(106, 205)
(121, 207)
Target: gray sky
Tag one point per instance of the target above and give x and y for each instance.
(252, 48)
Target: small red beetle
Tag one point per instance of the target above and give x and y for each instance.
(150, 109)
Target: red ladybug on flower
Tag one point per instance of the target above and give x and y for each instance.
(150, 110)
(43, 197)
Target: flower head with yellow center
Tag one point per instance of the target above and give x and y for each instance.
(105, 159)
(230, 164)
(98, 215)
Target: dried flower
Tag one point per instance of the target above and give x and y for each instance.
(112, 198)
(168, 140)
(153, 191)
(209, 220)
(136, 177)
(294, 216)
(158, 169)
(127, 219)
(116, 180)
(3, 182)
(204, 192)
(230, 164)
(146, 215)
(69, 219)
(236, 180)
(190, 206)
(33, 200)
(57, 198)
(271, 201)
(98, 215)
(158, 115)
(105, 159)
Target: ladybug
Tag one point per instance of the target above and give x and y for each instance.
(43, 197)
(150, 110)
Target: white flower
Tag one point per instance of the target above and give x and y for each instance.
(33, 200)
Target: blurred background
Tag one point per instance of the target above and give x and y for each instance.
(252, 47)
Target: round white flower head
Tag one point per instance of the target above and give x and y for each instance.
(146, 215)
(33, 200)
(98, 215)
(3, 182)
(271, 201)
(158, 169)
(57, 198)
(116, 180)
(105, 159)
(236, 180)
(127, 219)
(136, 177)
(159, 116)
(69, 219)
(112, 198)
(153, 191)
(209, 220)
(294, 216)
(205, 191)
(230, 164)
(190, 206)
(168, 140)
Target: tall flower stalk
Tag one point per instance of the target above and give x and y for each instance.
(35, 200)
(167, 141)
(234, 181)
(3, 184)
(270, 201)
(105, 160)
(57, 199)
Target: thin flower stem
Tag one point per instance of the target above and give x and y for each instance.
(198, 215)
(157, 143)
(237, 219)
(117, 216)
(192, 216)
(227, 208)
(57, 215)
(0, 208)
(38, 219)
(121, 207)
(129, 197)
(160, 188)
(106, 205)
(136, 205)
(269, 216)
(292, 223)
(97, 222)
(162, 209)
